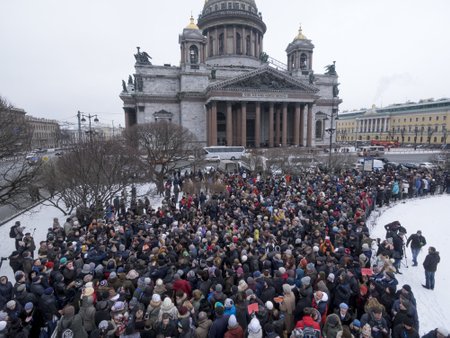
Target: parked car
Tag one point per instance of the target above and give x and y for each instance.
(428, 166)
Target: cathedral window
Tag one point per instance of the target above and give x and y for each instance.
(193, 54)
(247, 45)
(221, 44)
(211, 46)
(303, 61)
(238, 43)
(319, 129)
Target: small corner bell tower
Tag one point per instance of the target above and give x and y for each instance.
(299, 54)
(192, 46)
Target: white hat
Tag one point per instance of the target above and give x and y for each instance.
(269, 305)
(2, 325)
(254, 326)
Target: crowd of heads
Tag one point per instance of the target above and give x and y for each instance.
(265, 255)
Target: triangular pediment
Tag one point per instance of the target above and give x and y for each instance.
(265, 79)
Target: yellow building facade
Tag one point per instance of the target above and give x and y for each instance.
(425, 122)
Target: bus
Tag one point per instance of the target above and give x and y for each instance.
(224, 152)
(371, 151)
(390, 144)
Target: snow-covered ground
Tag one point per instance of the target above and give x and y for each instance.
(431, 215)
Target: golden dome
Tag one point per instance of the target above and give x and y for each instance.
(192, 24)
(300, 35)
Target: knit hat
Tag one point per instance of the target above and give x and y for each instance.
(28, 306)
(63, 260)
(11, 304)
(132, 274)
(167, 304)
(113, 275)
(269, 305)
(86, 269)
(356, 323)
(2, 325)
(306, 281)
(159, 282)
(156, 298)
(343, 306)
(282, 270)
(254, 326)
(232, 322)
(219, 288)
(118, 306)
(310, 266)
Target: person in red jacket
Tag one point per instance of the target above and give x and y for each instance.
(308, 321)
(181, 284)
(234, 329)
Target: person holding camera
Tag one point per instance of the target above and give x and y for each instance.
(417, 242)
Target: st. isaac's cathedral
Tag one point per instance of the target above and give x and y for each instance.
(228, 91)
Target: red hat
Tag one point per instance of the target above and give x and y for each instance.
(49, 265)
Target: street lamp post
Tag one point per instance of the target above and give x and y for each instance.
(331, 131)
(82, 118)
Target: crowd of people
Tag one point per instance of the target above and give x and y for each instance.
(257, 256)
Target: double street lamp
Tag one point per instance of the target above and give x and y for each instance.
(82, 118)
(331, 131)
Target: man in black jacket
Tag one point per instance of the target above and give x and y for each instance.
(430, 266)
(417, 242)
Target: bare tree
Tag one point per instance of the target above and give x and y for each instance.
(16, 175)
(162, 146)
(89, 175)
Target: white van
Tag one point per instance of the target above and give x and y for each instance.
(371, 151)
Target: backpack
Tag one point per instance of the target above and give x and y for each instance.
(12, 231)
(310, 332)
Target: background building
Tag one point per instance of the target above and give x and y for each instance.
(227, 91)
(45, 132)
(424, 122)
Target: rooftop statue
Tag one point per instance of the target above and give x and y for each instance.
(142, 57)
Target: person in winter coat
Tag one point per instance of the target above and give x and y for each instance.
(405, 329)
(167, 327)
(287, 306)
(203, 325)
(344, 314)
(417, 242)
(185, 330)
(374, 317)
(254, 329)
(308, 321)
(430, 265)
(220, 324)
(320, 303)
(234, 329)
(332, 326)
(70, 322)
(87, 313)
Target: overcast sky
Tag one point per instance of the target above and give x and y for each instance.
(58, 57)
